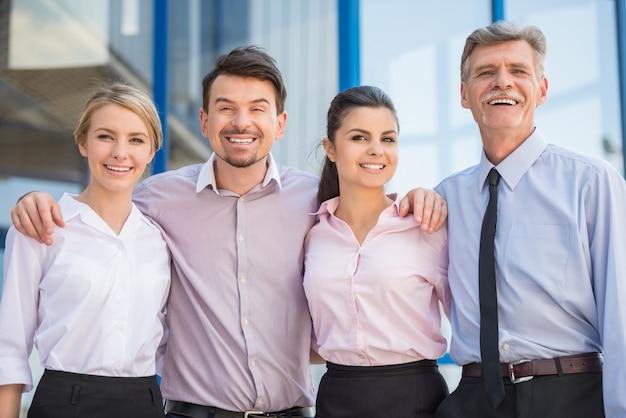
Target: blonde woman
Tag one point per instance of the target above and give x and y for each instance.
(92, 303)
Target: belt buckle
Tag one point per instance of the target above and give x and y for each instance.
(512, 372)
(250, 414)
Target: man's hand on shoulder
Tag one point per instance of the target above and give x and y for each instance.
(35, 215)
(428, 208)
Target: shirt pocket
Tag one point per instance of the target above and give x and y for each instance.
(537, 254)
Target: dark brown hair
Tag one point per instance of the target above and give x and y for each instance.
(248, 61)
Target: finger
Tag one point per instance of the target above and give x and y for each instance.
(439, 215)
(41, 217)
(23, 224)
(420, 203)
(429, 206)
(404, 206)
(57, 218)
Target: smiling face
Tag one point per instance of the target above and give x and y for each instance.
(503, 90)
(118, 147)
(365, 148)
(241, 121)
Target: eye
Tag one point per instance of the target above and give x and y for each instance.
(258, 109)
(138, 140)
(389, 139)
(104, 137)
(485, 73)
(359, 138)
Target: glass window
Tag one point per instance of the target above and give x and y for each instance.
(582, 71)
(416, 61)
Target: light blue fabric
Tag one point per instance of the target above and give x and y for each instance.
(560, 255)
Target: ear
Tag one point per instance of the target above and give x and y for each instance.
(151, 156)
(464, 99)
(203, 118)
(281, 124)
(329, 147)
(542, 92)
(82, 147)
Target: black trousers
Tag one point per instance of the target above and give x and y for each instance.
(72, 395)
(567, 396)
(412, 390)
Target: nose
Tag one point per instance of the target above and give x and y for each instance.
(502, 79)
(375, 148)
(120, 150)
(241, 119)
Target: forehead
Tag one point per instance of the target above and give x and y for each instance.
(509, 52)
(365, 116)
(242, 89)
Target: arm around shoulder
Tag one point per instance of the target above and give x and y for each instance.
(35, 215)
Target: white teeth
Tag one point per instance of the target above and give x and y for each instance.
(240, 140)
(503, 101)
(121, 169)
(373, 166)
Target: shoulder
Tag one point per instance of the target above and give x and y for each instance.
(582, 168)
(166, 186)
(184, 174)
(296, 175)
(457, 179)
(300, 186)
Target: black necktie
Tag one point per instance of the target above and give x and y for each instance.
(489, 351)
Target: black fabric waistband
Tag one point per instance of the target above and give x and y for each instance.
(63, 376)
(415, 367)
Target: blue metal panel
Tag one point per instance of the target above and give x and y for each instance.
(349, 45)
(620, 13)
(159, 86)
(497, 10)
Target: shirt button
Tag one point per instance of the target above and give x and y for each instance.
(506, 346)
(242, 279)
(240, 237)
(245, 321)
(253, 363)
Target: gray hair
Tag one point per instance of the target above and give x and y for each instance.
(503, 31)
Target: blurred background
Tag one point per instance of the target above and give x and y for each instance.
(52, 52)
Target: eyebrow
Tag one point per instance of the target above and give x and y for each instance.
(363, 131)
(114, 132)
(513, 64)
(229, 101)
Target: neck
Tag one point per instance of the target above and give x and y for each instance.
(361, 209)
(501, 143)
(113, 208)
(239, 180)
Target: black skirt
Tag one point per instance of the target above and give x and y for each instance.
(411, 390)
(64, 394)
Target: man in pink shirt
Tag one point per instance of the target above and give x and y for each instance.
(239, 324)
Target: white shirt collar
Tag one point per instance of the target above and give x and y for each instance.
(206, 177)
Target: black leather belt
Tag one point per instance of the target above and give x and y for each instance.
(523, 370)
(191, 410)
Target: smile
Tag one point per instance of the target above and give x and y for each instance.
(503, 101)
(119, 169)
(240, 140)
(373, 166)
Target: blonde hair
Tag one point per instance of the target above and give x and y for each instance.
(129, 97)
